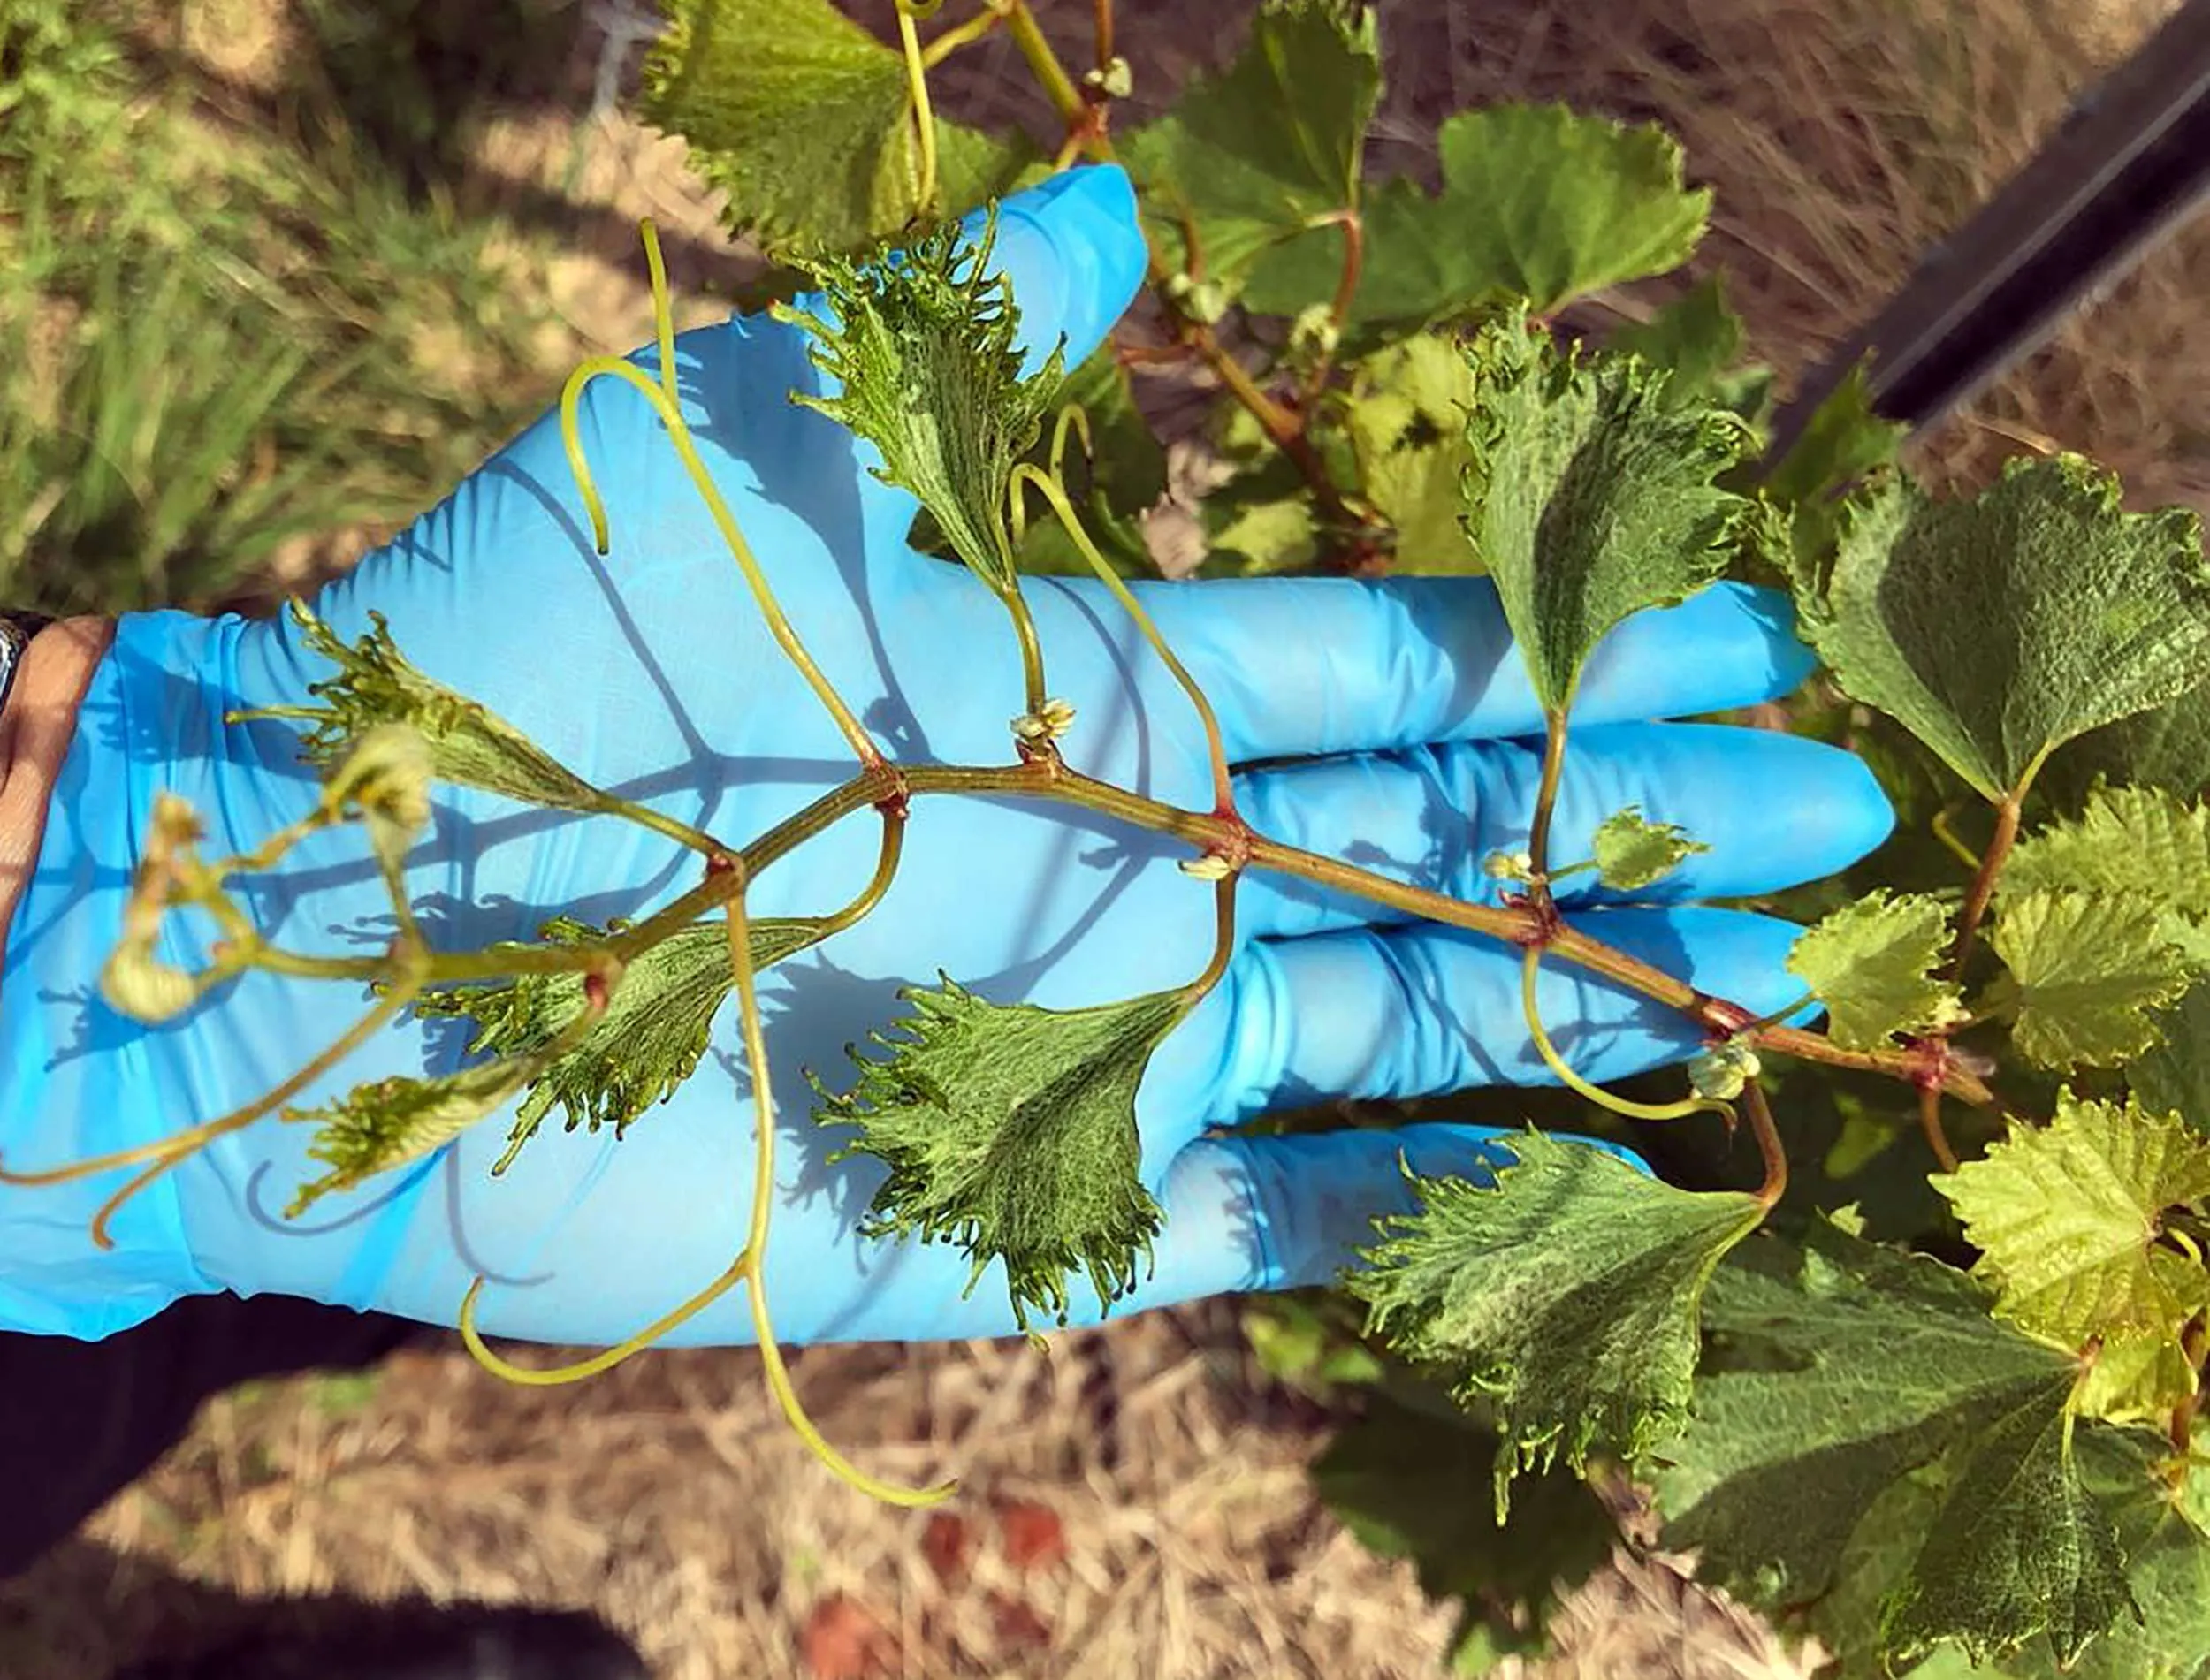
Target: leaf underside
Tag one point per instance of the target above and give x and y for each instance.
(1590, 496)
(1565, 1294)
(1010, 1130)
(656, 1029)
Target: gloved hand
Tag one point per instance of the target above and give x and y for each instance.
(1401, 708)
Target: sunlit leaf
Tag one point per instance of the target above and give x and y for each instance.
(1633, 851)
(2086, 970)
(1871, 963)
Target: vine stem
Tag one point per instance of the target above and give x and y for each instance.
(1048, 779)
(1353, 226)
(1930, 1122)
(1059, 86)
(1976, 897)
(1546, 797)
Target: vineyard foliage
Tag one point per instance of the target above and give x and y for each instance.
(1926, 1388)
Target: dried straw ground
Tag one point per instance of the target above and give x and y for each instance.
(1135, 1500)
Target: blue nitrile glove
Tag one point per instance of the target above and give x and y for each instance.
(1402, 705)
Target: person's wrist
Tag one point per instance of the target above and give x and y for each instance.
(37, 724)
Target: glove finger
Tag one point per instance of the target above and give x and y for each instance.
(1418, 1011)
(1072, 253)
(1430, 815)
(1298, 667)
(1282, 1213)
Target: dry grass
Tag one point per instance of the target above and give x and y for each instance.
(1843, 137)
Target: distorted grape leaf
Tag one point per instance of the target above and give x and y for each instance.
(388, 1122)
(655, 1031)
(2173, 1074)
(1266, 147)
(1832, 1368)
(2068, 1218)
(1565, 1294)
(2085, 969)
(1588, 497)
(1997, 628)
(1632, 852)
(2020, 1546)
(1406, 424)
(1539, 202)
(1112, 484)
(1412, 1482)
(803, 119)
(1871, 964)
(2140, 843)
(377, 684)
(925, 357)
(1010, 1130)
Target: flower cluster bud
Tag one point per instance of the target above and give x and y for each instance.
(1720, 1071)
(1034, 728)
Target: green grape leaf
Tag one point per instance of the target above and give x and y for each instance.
(924, 351)
(2172, 1076)
(2085, 969)
(1112, 486)
(1565, 1294)
(1996, 629)
(1538, 202)
(388, 1122)
(1262, 151)
(1407, 429)
(1010, 1130)
(1697, 339)
(2019, 1546)
(1588, 497)
(2068, 1218)
(1871, 964)
(653, 1035)
(2139, 843)
(802, 119)
(1632, 852)
(1269, 532)
(1832, 1369)
(1841, 441)
(1413, 1482)
(377, 684)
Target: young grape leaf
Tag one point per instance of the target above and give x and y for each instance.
(2019, 1546)
(2068, 1218)
(1538, 202)
(1632, 852)
(1590, 496)
(1010, 1130)
(924, 351)
(1871, 964)
(1998, 628)
(1696, 339)
(1407, 428)
(1412, 1482)
(377, 684)
(1832, 1369)
(652, 1038)
(1565, 1294)
(1271, 534)
(1262, 151)
(388, 1122)
(2172, 1076)
(804, 120)
(2140, 843)
(1842, 441)
(2085, 971)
